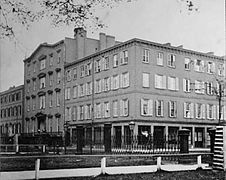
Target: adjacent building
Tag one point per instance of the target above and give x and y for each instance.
(161, 88)
(11, 112)
(44, 80)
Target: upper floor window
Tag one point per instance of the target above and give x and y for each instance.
(75, 91)
(89, 88)
(67, 93)
(187, 63)
(125, 79)
(146, 107)
(51, 100)
(106, 84)
(82, 90)
(211, 111)
(171, 60)
(188, 110)
(34, 66)
(42, 100)
(28, 69)
(124, 57)
(98, 86)
(75, 73)
(173, 83)
(82, 71)
(199, 87)
(186, 85)
(160, 81)
(68, 75)
(34, 85)
(50, 79)
(88, 69)
(210, 67)
(160, 59)
(106, 109)
(221, 70)
(58, 77)
(59, 56)
(172, 108)
(98, 110)
(200, 111)
(209, 88)
(199, 65)
(88, 111)
(146, 79)
(105, 63)
(42, 64)
(146, 55)
(159, 108)
(115, 82)
(115, 60)
(58, 98)
(98, 65)
(50, 59)
(115, 108)
(124, 107)
(42, 82)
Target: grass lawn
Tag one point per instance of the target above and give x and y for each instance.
(184, 175)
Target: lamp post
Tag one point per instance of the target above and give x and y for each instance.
(131, 127)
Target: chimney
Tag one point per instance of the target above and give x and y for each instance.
(103, 41)
(80, 40)
(110, 41)
(167, 44)
(210, 53)
(181, 46)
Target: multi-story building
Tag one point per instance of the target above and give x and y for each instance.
(161, 88)
(11, 111)
(44, 79)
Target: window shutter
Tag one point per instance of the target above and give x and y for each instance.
(184, 110)
(192, 111)
(169, 114)
(156, 108)
(214, 111)
(207, 111)
(162, 112)
(141, 106)
(196, 111)
(184, 85)
(177, 83)
(127, 104)
(150, 107)
(164, 82)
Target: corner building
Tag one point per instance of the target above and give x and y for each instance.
(160, 87)
(44, 80)
(11, 113)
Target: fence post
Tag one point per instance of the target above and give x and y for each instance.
(103, 165)
(199, 161)
(37, 166)
(159, 163)
(183, 136)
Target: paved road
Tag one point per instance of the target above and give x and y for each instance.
(94, 171)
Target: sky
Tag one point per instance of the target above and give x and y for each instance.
(159, 21)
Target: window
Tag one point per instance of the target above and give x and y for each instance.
(124, 57)
(172, 108)
(199, 87)
(146, 107)
(28, 87)
(58, 77)
(82, 71)
(58, 98)
(125, 80)
(124, 107)
(68, 113)
(160, 81)
(50, 100)
(75, 91)
(146, 54)
(42, 64)
(200, 111)
(88, 69)
(75, 73)
(159, 108)
(160, 59)
(199, 65)
(50, 79)
(211, 111)
(115, 108)
(171, 60)
(173, 83)
(187, 63)
(209, 88)
(74, 111)
(33, 104)
(210, 67)
(115, 82)
(88, 88)
(106, 63)
(98, 110)
(42, 100)
(221, 70)
(82, 90)
(68, 75)
(28, 69)
(89, 111)
(67, 93)
(188, 110)
(50, 59)
(106, 84)
(146, 80)
(42, 82)
(106, 109)
(58, 56)
(186, 85)
(98, 86)
(115, 60)
(28, 106)
(97, 66)
(34, 85)
(34, 66)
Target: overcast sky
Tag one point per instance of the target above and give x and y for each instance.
(154, 20)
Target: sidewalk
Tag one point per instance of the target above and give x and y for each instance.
(16, 175)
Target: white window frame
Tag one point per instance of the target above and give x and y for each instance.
(210, 67)
(125, 80)
(146, 80)
(172, 109)
(146, 107)
(187, 64)
(171, 61)
(124, 107)
(42, 82)
(188, 110)
(159, 108)
(43, 64)
(115, 108)
(146, 56)
(160, 81)
(173, 83)
(160, 58)
(42, 100)
(115, 60)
